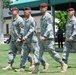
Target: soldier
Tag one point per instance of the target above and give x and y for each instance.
(30, 41)
(30, 59)
(47, 36)
(70, 41)
(16, 35)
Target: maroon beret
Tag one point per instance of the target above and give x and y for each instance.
(15, 8)
(43, 5)
(70, 9)
(27, 8)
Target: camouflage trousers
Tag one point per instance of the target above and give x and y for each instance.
(43, 60)
(49, 46)
(13, 48)
(67, 47)
(26, 47)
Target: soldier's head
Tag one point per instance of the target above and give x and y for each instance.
(14, 11)
(71, 12)
(43, 7)
(27, 11)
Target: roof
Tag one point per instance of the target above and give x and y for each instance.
(6, 13)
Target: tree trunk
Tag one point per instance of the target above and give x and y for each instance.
(1, 22)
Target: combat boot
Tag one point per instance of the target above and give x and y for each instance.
(36, 70)
(64, 67)
(46, 67)
(32, 64)
(19, 70)
(9, 67)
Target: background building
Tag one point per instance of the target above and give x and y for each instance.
(7, 20)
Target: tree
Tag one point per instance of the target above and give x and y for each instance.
(1, 21)
(3, 4)
(62, 16)
(6, 3)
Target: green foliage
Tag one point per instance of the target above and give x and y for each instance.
(62, 16)
(6, 3)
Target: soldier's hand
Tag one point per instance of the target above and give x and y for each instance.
(43, 38)
(18, 40)
(70, 39)
(23, 39)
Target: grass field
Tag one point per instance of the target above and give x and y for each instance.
(53, 70)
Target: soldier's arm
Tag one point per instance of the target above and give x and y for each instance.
(21, 25)
(31, 30)
(49, 27)
(74, 29)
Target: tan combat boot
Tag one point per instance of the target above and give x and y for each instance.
(32, 64)
(46, 67)
(9, 67)
(64, 67)
(19, 70)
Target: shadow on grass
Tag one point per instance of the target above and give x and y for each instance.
(51, 72)
(68, 66)
(71, 66)
(5, 50)
(27, 70)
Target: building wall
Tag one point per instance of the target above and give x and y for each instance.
(9, 22)
(37, 18)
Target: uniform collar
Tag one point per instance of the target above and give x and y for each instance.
(44, 15)
(16, 18)
(28, 18)
(72, 18)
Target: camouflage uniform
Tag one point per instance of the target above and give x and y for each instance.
(31, 42)
(16, 32)
(47, 32)
(70, 32)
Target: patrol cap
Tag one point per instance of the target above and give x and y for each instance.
(15, 8)
(70, 9)
(27, 8)
(43, 5)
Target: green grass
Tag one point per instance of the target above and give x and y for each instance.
(53, 70)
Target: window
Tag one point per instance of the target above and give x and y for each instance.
(7, 28)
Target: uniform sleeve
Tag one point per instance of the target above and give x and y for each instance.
(49, 27)
(21, 26)
(74, 29)
(31, 29)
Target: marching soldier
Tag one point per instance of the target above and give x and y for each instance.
(70, 41)
(47, 36)
(16, 35)
(30, 42)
